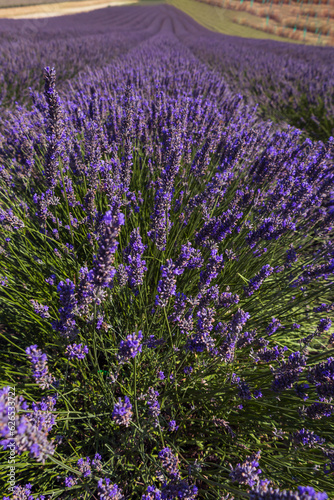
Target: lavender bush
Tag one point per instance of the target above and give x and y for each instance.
(166, 288)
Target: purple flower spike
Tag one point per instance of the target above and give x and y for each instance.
(130, 347)
(172, 426)
(66, 325)
(167, 284)
(273, 326)
(307, 438)
(107, 248)
(70, 481)
(263, 491)
(136, 267)
(84, 466)
(40, 367)
(29, 431)
(170, 463)
(153, 404)
(256, 282)
(122, 412)
(109, 491)
(247, 472)
(76, 351)
(153, 493)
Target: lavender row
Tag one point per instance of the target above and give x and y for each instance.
(290, 83)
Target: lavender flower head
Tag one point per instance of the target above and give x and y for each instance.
(107, 248)
(287, 374)
(41, 310)
(109, 491)
(172, 426)
(130, 347)
(70, 481)
(135, 267)
(263, 491)
(170, 463)
(76, 351)
(122, 412)
(153, 404)
(273, 326)
(178, 489)
(96, 462)
(66, 325)
(307, 438)
(21, 492)
(167, 284)
(152, 493)
(255, 283)
(29, 432)
(247, 472)
(55, 129)
(84, 466)
(39, 361)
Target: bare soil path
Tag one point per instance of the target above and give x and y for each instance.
(58, 9)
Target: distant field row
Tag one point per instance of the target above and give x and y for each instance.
(310, 22)
(5, 4)
(19, 3)
(222, 20)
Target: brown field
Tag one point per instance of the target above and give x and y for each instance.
(42, 8)
(308, 23)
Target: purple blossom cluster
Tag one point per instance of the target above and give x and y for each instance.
(122, 412)
(42, 311)
(265, 492)
(24, 493)
(28, 431)
(317, 410)
(288, 371)
(66, 325)
(247, 472)
(39, 361)
(172, 426)
(77, 351)
(130, 347)
(227, 299)
(214, 266)
(109, 491)
(202, 340)
(269, 355)
(307, 438)
(273, 326)
(323, 308)
(136, 266)
(70, 481)
(255, 283)
(170, 463)
(84, 466)
(167, 283)
(107, 247)
(322, 375)
(153, 405)
(153, 343)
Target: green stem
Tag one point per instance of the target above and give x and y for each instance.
(135, 389)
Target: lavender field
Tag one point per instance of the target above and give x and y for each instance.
(166, 261)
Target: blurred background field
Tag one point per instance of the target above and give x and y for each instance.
(224, 21)
(40, 9)
(298, 21)
(309, 21)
